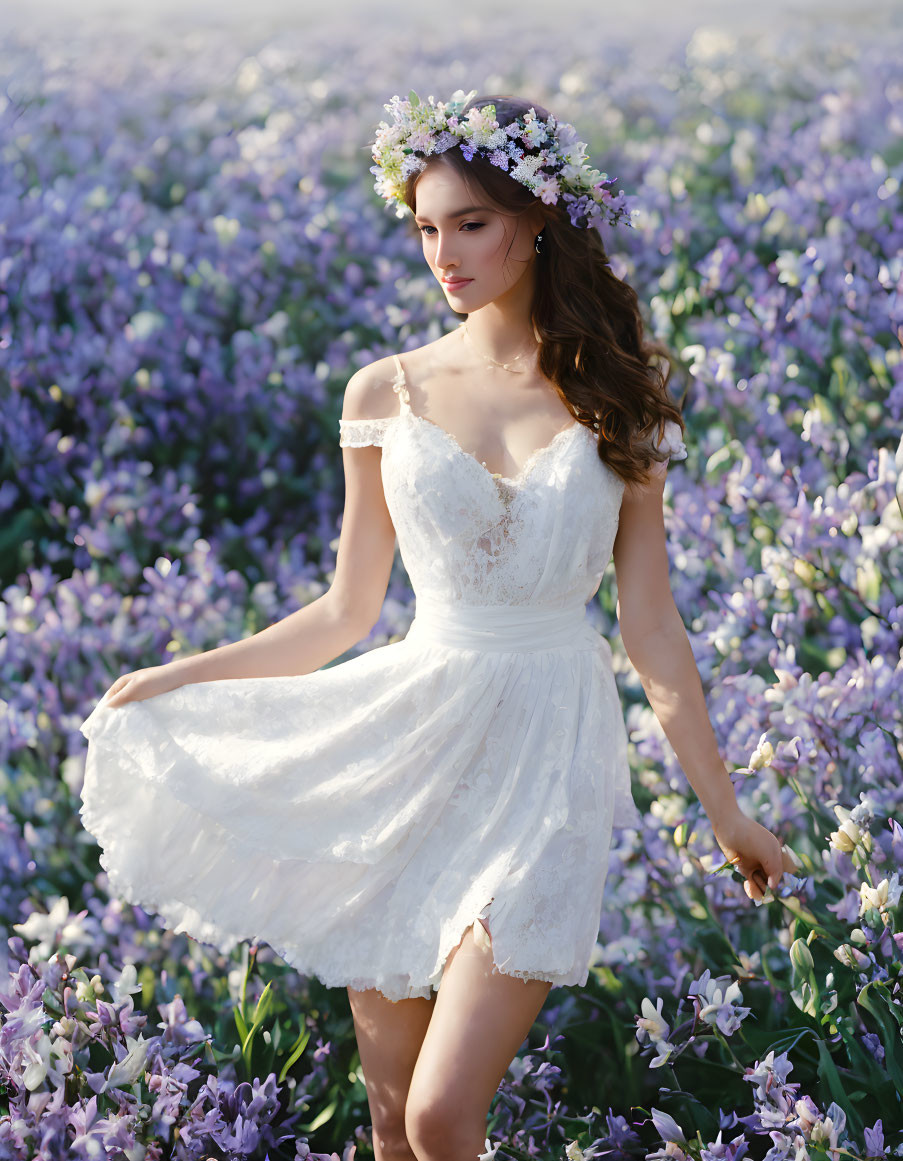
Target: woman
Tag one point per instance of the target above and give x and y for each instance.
(440, 810)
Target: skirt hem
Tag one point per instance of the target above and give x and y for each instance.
(225, 942)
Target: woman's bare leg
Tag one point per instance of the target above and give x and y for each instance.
(479, 1022)
(389, 1036)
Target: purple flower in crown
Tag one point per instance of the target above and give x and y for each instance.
(577, 209)
(468, 150)
(444, 141)
(499, 157)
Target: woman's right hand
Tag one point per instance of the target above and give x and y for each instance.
(143, 683)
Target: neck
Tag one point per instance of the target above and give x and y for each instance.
(503, 328)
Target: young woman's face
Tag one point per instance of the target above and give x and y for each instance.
(462, 240)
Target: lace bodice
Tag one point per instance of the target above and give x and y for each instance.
(542, 537)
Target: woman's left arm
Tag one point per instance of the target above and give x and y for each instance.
(658, 647)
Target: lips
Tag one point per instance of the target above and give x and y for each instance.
(453, 282)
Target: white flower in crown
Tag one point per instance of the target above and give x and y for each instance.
(547, 189)
(482, 129)
(525, 170)
(422, 140)
(534, 131)
(411, 164)
(566, 134)
(574, 154)
(572, 175)
(555, 171)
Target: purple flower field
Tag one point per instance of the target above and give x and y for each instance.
(192, 264)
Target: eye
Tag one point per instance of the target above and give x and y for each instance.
(476, 226)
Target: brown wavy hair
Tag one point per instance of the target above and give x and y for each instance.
(587, 321)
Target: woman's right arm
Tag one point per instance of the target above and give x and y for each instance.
(324, 629)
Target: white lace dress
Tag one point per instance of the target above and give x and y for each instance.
(359, 818)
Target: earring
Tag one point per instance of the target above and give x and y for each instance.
(537, 242)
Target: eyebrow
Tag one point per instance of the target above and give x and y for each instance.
(460, 213)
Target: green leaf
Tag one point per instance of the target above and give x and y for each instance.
(260, 1011)
(297, 1048)
(888, 1032)
(321, 1118)
(263, 1004)
(827, 1070)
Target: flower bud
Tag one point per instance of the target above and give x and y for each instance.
(801, 956)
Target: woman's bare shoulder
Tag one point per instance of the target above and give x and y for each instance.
(369, 393)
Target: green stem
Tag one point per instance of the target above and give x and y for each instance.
(719, 1035)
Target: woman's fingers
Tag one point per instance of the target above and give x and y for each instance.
(790, 864)
(141, 684)
(790, 861)
(756, 883)
(111, 697)
(756, 875)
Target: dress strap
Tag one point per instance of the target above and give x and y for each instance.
(399, 386)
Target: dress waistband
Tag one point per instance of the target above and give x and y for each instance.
(498, 627)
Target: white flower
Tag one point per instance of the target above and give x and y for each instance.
(885, 895)
(126, 985)
(668, 1128)
(527, 167)
(38, 1056)
(846, 838)
(58, 925)
(762, 755)
(131, 1067)
(664, 1051)
(652, 1023)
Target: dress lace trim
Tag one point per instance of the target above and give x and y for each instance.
(364, 432)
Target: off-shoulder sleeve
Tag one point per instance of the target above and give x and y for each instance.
(672, 443)
(363, 432)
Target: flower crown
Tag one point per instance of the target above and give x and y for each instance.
(543, 155)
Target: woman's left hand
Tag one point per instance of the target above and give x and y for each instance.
(754, 851)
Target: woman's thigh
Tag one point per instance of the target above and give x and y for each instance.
(480, 1020)
(389, 1036)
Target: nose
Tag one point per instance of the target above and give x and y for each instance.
(445, 257)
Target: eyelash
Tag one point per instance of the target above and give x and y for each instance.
(478, 225)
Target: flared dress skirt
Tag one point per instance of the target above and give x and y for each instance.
(359, 818)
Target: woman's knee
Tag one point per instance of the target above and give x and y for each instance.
(436, 1128)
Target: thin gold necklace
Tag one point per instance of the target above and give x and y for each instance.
(488, 358)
